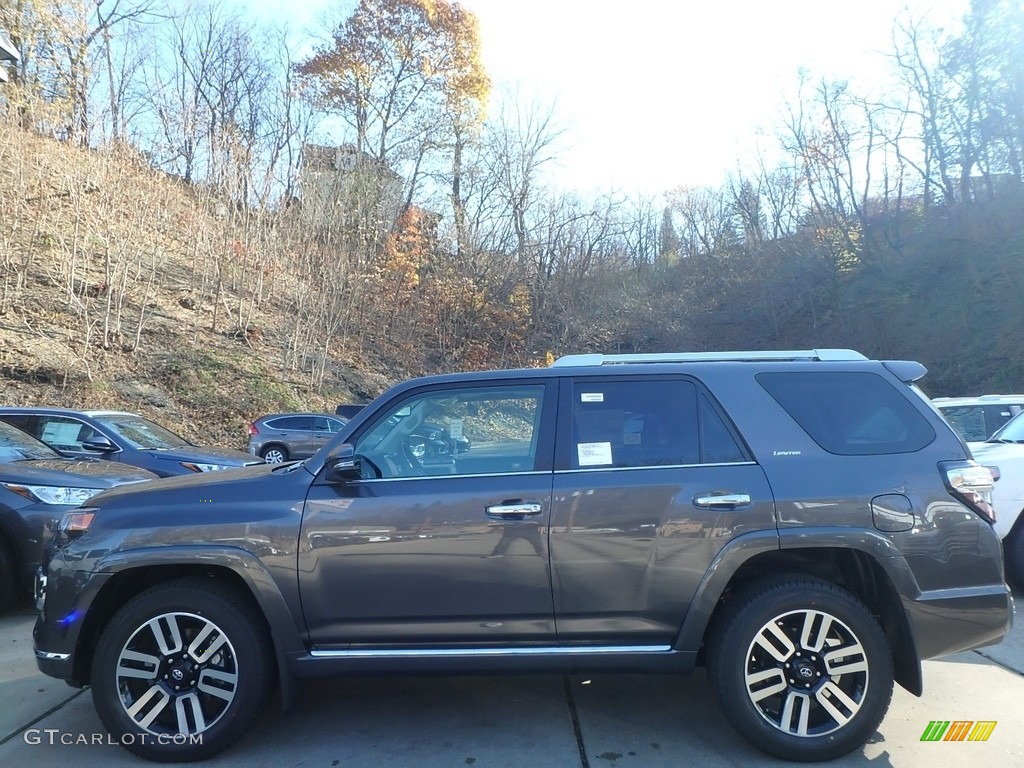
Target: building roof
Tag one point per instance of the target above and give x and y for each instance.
(342, 159)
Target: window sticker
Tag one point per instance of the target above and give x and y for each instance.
(455, 429)
(61, 432)
(594, 454)
(592, 397)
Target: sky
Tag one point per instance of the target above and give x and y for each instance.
(656, 94)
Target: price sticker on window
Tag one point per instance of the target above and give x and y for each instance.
(594, 454)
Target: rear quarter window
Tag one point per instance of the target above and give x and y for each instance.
(850, 413)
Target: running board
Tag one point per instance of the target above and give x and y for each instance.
(492, 660)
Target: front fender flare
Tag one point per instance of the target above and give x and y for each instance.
(285, 635)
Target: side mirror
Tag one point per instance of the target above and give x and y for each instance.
(342, 464)
(100, 444)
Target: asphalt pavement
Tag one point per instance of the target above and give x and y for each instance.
(607, 721)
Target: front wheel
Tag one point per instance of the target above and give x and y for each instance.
(801, 668)
(181, 670)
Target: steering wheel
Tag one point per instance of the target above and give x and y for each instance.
(409, 458)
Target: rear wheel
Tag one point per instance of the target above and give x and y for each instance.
(801, 668)
(274, 454)
(181, 670)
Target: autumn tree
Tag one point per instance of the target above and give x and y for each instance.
(397, 69)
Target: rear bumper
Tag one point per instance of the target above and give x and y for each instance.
(953, 620)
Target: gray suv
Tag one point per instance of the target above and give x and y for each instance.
(281, 437)
(804, 524)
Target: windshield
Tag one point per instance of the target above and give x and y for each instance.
(16, 445)
(141, 433)
(1012, 431)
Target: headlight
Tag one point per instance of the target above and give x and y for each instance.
(204, 467)
(53, 494)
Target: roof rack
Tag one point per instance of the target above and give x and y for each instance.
(824, 355)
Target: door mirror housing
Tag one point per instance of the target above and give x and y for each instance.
(100, 444)
(343, 465)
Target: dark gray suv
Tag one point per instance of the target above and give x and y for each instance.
(805, 524)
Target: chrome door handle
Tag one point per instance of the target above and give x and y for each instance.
(514, 510)
(722, 501)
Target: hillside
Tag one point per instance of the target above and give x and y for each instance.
(122, 288)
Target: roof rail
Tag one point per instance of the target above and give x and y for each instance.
(824, 355)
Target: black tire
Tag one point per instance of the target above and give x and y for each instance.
(278, 453)
(222, 685)
(10, 584)
(775, 685)
(1013, 556)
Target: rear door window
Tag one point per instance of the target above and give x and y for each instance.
(292, 423)
(626, 423)
(850, 413)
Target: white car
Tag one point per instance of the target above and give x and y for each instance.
(978, 418)
(1005, 450)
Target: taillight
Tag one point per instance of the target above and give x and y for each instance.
(252, 429)
(972, 484)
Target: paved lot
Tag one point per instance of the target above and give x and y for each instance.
(614, 721)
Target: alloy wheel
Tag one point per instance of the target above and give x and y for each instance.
(177, 674)
(274, 456)
(806, 673)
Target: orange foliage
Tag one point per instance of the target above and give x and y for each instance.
(395, 65)
(405, 253)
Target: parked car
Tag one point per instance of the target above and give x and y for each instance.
(124, 437)
(37, 486)
(283, 436)
(1005, 451)
(978, 418)
(348, 411)
(804, 523)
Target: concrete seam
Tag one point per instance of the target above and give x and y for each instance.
(577, 730)
(45, 714)
(998, 663)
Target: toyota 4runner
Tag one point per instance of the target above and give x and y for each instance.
(804, 523)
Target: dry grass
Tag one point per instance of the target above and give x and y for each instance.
(123, 288)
